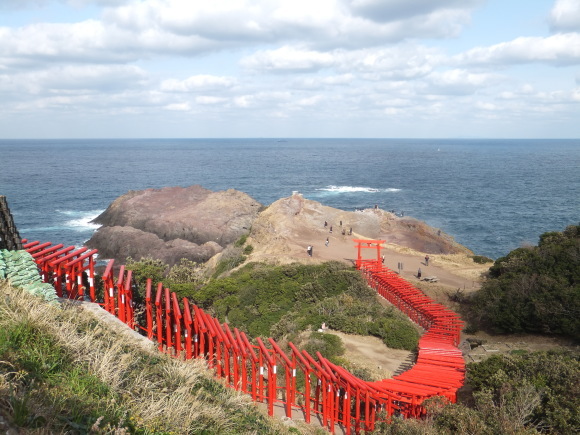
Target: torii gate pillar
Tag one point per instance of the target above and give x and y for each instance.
(370, 244)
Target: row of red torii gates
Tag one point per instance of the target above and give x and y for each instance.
(311, 386)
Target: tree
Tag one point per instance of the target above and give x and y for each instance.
(533, 289)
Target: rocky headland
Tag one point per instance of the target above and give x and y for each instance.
(173, 223)
(195, 223)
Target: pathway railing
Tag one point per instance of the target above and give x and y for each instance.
(292, 379)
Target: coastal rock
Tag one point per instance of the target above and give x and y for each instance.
(280, 231)
(173, 223)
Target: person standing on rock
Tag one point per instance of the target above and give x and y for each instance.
(426, 260)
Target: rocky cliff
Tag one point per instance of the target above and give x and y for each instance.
(173, 223)
(196, 223)
(286, 227)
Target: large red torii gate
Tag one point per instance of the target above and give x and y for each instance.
(370, 244)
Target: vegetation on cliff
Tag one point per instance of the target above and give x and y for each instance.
(61, 371)
(533, 289)
(283, 301)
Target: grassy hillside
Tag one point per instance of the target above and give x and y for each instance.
(62, 371)
(283, 301)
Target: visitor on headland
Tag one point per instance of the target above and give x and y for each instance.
(419, 273)
(325, 224)
(350, 232)
(327, 242)
(309, 250)
(426, 260)
(331, 229)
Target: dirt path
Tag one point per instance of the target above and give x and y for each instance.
(371, 354)
(453, 271)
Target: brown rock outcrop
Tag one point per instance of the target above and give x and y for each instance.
(173, 223)
(280, 231)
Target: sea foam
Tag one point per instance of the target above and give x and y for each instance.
(81, 220)
(355, 189)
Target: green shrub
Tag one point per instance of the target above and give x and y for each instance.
(278, 301)
(329, 345)
(533, 289)
(550, 380)
(241, 241)
(480, 259)
(248, 250)
(146, 267)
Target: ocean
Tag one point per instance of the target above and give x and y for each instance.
(491, 195)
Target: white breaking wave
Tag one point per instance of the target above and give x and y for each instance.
(354, 189)
(81, 220)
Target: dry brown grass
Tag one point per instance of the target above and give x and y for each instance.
(161, 394)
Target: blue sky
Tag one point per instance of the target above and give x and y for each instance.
(290, 68)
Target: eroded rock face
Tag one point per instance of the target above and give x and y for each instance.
(173, 223)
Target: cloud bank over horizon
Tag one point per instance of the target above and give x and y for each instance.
(280, 68)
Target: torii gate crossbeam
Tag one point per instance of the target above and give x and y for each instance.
(370, 244)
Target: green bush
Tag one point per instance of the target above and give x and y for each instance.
(241, 241)
(145, 268)
(480, 259)
(278, 301)
(533, 289)
(329, 345)
(550, 380)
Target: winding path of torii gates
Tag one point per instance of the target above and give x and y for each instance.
(304, 385)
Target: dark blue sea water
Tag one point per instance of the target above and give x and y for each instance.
(491, 195)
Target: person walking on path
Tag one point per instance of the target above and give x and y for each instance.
(419, 273)
(327, 242)
(309, 250)
(426, 260)
(331, 229)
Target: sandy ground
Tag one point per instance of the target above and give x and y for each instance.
(372, 354)
(452, 271)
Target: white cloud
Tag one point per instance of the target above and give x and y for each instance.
(209, 100)
(323, 23)
(391, 10)
(198, 83)
(288, 58)
(460, 82)
(401, 62)
(178, 107)
(348, 63)
(565, 16)
(75, 79)
(560, 49)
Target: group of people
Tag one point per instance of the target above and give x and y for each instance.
(343, 229)
(327, 242)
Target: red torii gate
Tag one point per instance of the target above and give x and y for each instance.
(370, 244)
